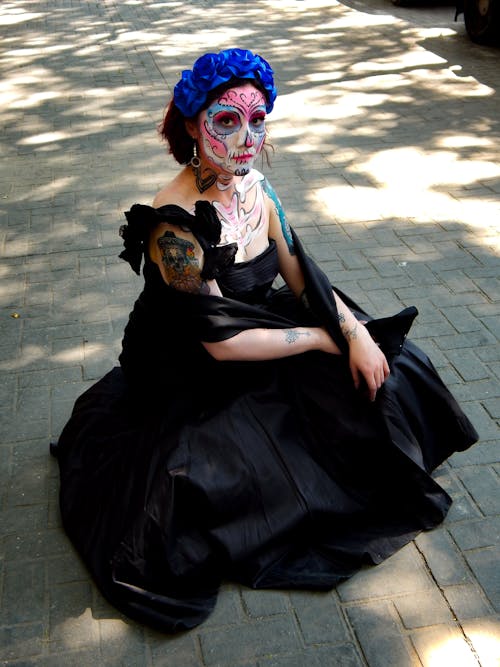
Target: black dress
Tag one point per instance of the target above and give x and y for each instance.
(178, 471)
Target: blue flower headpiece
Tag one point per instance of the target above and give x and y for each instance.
(212, 69)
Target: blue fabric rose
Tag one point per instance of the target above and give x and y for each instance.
(212, 69)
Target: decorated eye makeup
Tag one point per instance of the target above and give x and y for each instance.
(226, 122)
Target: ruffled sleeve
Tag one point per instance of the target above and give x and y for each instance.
(204, 224)
(141, 220)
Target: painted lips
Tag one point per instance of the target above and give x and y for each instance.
(244, 158)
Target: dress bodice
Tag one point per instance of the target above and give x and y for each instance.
(248, 281)
(251, 281)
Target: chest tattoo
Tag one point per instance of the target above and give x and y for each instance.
(244, 217)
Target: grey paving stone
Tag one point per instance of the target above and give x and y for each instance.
(15, 520)
(85, 658)
(463, 508)
(477, 390)
(122, 643)
(484, 564)
(72, 625)
(21, 641)
(344, 655)
(403, 573)
(467, 363)
(34, 545)
(319, 617)
(476, 534)
(174, 651)
(65, 568)
(229, 605)
(467, 601)
(492, 406)
(483, 453)
(442, 557)
(380, 636)
(23, 594)
(265, 603)
(243, 642)
(483, 485)
(423, 609)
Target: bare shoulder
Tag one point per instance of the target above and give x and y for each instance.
(167, 195)
(177, 191)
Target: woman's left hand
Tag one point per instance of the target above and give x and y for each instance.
(367, 361)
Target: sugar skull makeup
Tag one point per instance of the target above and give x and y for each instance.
(232, 130)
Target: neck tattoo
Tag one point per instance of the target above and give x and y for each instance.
(204, 182)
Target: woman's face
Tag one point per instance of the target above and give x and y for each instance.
(231, 131)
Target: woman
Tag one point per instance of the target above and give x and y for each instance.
(275, 437)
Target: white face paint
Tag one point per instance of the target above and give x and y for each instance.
(232, 130)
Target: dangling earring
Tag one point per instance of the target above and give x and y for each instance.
(195, 161)
(201, 183)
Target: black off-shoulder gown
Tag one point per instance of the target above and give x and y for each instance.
(178, 471)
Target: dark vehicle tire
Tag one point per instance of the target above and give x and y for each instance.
(482, 20)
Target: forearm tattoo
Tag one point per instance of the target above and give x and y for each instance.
(349, 333)
(181, 268)
(292, 335)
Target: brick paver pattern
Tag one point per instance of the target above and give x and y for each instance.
(387, 159)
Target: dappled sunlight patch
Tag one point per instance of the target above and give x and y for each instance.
(137, 37)
(450, 652)
(44, 138)
(478, 648)
(212, 40)
(293, 5)
(414, 168)
(76, 631)
(399, 61)
(357, 203)
(113, 629)
(358, 19)
(72, 355)
(464, 141)
(10, 15)
(312, 105)
(486, 642)
(433, 32)
(411, 182)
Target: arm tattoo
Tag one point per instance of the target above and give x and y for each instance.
(182, 269)
(292, 335)
(285, 227)
(349, 334)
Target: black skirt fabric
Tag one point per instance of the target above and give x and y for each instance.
(178, 472)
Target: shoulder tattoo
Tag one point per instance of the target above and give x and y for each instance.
(285, 227)
(182, 269)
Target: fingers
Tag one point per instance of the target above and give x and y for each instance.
(355, 376)
(374, 380)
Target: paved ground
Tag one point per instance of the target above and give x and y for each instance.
(387, 138)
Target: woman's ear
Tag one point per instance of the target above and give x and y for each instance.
(191, 128)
